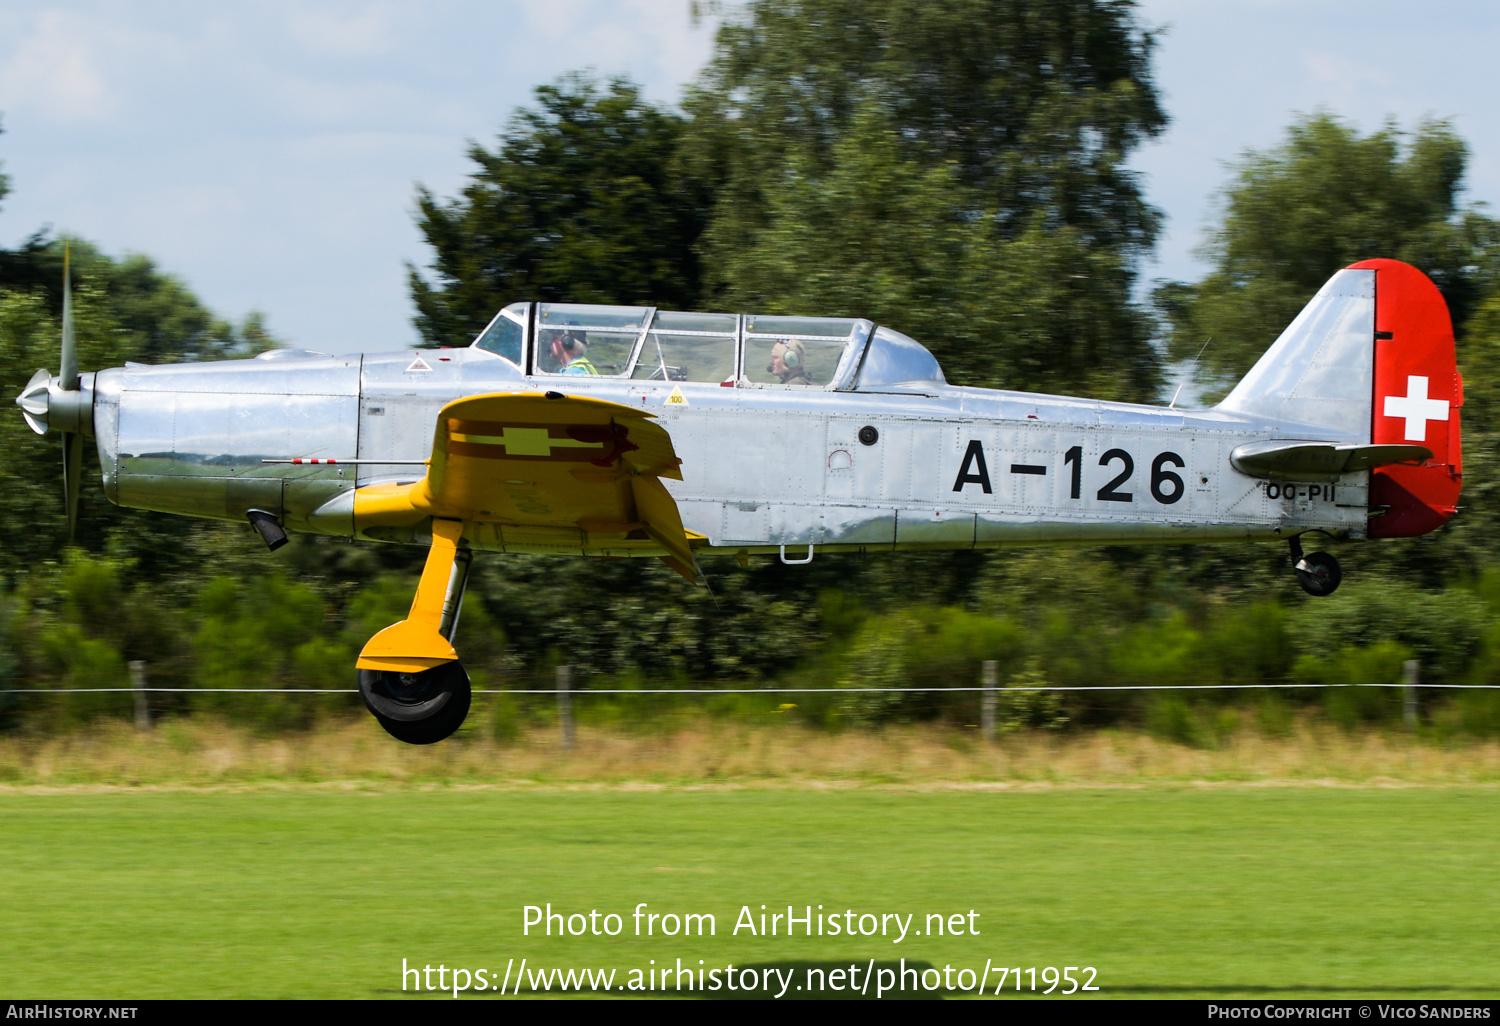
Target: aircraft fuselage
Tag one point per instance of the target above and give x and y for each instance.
(944, 467)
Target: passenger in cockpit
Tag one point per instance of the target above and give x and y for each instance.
(788, 363)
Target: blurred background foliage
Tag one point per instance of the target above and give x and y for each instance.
(959, 171)
(1326, 198)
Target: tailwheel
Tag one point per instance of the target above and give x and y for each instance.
(1318, 572)
(418, 708)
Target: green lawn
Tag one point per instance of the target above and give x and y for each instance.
(1212, 892)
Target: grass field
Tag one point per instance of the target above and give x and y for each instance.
(1167, 890)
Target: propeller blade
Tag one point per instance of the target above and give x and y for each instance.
(72, 477)
(67, 381)
(67, 376)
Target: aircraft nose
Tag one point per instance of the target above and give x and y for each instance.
(33, 401)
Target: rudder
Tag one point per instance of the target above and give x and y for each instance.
(1417, 396)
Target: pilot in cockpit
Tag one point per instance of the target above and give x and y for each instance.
(789, 363)
(569, 353)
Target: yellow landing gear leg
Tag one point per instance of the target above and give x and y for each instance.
(409, 673)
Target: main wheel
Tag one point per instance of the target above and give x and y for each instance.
(1319, 573)
(418, 708)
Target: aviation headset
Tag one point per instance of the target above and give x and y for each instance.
(791, 359)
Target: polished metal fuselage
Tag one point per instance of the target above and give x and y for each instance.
(763, 468)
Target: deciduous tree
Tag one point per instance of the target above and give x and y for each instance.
(954, 170)
(578, 203)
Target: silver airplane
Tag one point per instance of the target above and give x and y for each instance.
(632, 431)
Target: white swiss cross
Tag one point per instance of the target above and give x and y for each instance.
(1415, 408)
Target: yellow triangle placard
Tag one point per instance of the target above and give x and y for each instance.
(677, 398)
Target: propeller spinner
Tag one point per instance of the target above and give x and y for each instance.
(63, 403)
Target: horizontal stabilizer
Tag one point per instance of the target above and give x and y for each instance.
(1311, 461)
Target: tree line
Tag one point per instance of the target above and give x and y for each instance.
(959, 171)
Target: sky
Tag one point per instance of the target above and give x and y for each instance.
(268, 154)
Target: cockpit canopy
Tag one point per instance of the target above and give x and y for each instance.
(744, 350)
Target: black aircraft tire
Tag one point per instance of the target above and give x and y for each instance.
(1322, 576)
(418, 708)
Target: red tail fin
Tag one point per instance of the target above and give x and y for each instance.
(1417, 397)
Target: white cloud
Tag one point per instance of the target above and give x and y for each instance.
(53, 65)
(367, 31)
(651, 41)
(1342, 72)
(267, 153)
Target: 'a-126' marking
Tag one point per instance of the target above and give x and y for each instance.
(1166, 486)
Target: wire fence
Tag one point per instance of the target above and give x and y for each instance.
(752, 691)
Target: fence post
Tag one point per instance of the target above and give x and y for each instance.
(989, 680)
(1409, 704)
(565, 704)
(138, 688)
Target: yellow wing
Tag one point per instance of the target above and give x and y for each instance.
(526, 461)
(553, 465)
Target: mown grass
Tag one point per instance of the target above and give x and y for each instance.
(1167, 891)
